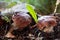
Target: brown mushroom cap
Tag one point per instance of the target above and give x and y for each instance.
(21, 20)
(46, 21)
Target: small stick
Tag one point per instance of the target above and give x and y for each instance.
(57, 3)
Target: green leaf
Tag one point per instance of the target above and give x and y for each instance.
(6, 18)
(11, 4)
(7, 0)
(32, 12)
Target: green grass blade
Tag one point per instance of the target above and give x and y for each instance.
(32, 12)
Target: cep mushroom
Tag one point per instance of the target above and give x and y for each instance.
(20, 21)
(46, 23)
